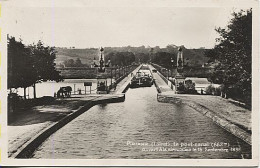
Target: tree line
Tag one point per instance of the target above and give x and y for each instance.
(120, 58)
(161, 56)
(73, 63)
(127, 58)
(31, 64)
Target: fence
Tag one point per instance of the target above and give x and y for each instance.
(162, 75)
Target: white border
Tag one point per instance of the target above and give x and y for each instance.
(132, 162)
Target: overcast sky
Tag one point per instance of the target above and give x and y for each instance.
(95, 26)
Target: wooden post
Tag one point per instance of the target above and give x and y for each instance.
(74, 89)
(111, 76)
(28, 92)
(34, 91)
(24, 93)
(115, 74)
(226, 96)
(90, 89)
(85, 90)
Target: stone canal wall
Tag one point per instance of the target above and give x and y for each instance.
(28, 148)
(126, 81)
(168, 82)
(157, 87)
(170, 97)
(222, 122)
(155, 83)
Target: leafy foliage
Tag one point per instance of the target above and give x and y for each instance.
(164, 59)
(233, 54)
(193, 57)
(120, 58)
(72, 63)
(19, 64)
(43, 63)
(190, 87)
(28, 65)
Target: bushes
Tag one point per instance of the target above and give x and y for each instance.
(238, 94)
(218, 91)
(181, 88)
(187, 87)
(212, 90)
(232, 92)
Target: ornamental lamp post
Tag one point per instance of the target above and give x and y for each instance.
(111, 75)
(118, 71)
(172, 64)
(168, 73)
(179, 77)
(101, 62)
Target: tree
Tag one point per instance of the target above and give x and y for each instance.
(144, 57)
(43, 64)
(120, 58)
(233, 53)
(72, 63)
(69, 63)
(189, 87)
(78, 63)
(164, 59)
(19, 65)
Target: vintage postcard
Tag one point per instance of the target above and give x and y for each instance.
(129, 83)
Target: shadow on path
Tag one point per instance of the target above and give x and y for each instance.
(51, 111)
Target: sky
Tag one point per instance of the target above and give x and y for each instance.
(85, 26)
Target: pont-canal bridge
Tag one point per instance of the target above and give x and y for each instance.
(141, 127)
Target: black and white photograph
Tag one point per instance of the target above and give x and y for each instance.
(130, 81)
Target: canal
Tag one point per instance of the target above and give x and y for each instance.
(142, 128)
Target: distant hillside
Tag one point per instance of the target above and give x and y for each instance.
(193, 57)
(85, 55)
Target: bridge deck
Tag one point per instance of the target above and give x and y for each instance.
(123, 84)
(160, 82)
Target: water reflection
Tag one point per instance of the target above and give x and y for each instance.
(104, 130)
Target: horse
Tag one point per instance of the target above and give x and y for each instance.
(64, 92)
(69, 89)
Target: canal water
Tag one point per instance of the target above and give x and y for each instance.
(142, 128)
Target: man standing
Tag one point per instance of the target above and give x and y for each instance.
(114, 85)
